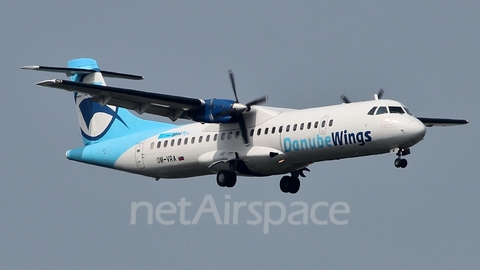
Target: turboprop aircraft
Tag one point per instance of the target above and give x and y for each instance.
(228, 138)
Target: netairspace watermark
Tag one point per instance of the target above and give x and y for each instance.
(255, 212)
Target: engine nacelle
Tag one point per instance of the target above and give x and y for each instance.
(212, 112)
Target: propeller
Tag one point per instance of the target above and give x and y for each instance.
(345, 99)
(379, 95)
(232, 80)
(238, 109)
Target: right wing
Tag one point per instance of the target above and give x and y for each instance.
(173, 107)
(430, 122)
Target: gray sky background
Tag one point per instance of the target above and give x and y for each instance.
(58, 214)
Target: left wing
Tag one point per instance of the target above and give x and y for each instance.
(173, 107)
(84, 71)
(430, 122)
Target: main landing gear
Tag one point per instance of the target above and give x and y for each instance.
(291, 184)
(226, 178)
(399, 161)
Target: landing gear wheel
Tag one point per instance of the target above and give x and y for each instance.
(295, 185)
(401, 163)
(289, 184)
(398, 162)
(285, 184)
(226, 178)
(222, 178)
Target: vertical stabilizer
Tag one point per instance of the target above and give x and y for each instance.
(99, 122)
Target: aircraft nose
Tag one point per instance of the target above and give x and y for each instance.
(416, 129)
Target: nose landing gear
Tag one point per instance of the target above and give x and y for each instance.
(400, 162)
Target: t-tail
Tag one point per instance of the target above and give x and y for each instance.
(99, 121)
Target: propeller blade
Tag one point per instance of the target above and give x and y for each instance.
(232, 80)
(380, 93)
(345, 99)
(243, 128)
(257, 101)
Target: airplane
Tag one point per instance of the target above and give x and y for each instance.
(228, 138)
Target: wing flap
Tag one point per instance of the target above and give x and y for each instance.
(430, 122)
(170, 106)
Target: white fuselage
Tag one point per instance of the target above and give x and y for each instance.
(281, 141)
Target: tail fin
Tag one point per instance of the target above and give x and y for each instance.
(99, 122)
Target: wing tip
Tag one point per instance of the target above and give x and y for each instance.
(30, 67)
(49, 82)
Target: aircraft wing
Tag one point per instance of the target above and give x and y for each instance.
(430, 122)
(71, 71)
(173, 107)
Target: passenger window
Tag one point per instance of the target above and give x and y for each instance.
(323, 123)
(251, 133)
(259, 131)
(266, 131)
(229, 135)
(301, 126)
(237, 134)
(222, 137)
(381, 110)
(316, 124)
(151, 145)
(280, 129)
(159, 144)
(185, 141)
(330, 123)
(208, 138)
(273, 130)
(309, 125)
(179, 141)
(288, 128)
(165, 143)
(172, 143)
(193, 140)
(372, 111)
(295, 127)
(215, 137)
(396, 109)
(200, 139)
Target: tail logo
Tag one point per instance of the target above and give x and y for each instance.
(95, 120)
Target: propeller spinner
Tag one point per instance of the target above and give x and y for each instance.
(238, 109)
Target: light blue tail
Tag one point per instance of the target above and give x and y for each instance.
(97, 122)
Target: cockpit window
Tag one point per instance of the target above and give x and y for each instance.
(381, 110)
(396, 109)
(406, 109)
(372, 111)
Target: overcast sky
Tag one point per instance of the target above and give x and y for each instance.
(59, 214)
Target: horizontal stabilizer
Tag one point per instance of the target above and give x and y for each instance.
(430, 122)
(72, 71)
(173, 107)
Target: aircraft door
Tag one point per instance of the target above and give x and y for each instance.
(139, 156)
(323, 125)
